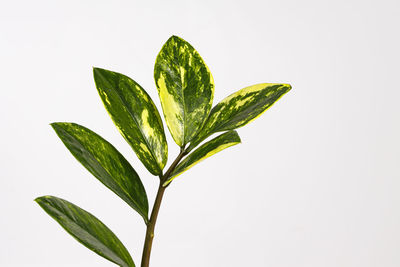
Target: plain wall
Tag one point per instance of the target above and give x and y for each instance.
(314, 183)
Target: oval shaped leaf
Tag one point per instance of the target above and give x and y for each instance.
(186, 88)
(105, 162)
(136, 117)
(206, 150)
(240, 108)
(87, 229)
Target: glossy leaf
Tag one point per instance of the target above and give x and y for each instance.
(87, 229)
(206, 150)
(240, 108)
(136, 117)
(186, 88)
(105, 162)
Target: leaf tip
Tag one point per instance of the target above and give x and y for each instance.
(239, 140)
(41, 199)
(174, 37)
(288, 87)
(234, 136)
(57, 126)
(99, 72)
(96, 69)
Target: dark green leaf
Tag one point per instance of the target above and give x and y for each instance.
(136, 117)
(240, 108)
(206, 150)
(87, 229)
(105, 162)
(185, 87)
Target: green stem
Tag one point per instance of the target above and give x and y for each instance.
(154, 214)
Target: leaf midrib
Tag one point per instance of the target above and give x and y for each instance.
(84, 229)
(124, 101)
(110, 177)
(183, 101)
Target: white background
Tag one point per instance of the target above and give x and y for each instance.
(315, 182)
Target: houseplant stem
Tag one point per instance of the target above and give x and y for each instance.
(156, 208)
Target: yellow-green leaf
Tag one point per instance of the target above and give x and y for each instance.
(105, 162)
(240, 108)
(206, 150)
(136, 117)
(87, 229)
(186, 88)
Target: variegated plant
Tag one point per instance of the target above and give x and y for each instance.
(186, 88)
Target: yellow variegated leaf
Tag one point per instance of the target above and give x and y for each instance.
(185, 87)
(206, 150)
(136, 117)
(240, 108)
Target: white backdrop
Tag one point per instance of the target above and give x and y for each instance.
(314, 183)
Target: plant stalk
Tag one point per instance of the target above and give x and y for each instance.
(156, 208)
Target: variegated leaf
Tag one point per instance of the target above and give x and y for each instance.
(136, 117)
(206, 150)
(186, 88)
(240, 108)
(105, 162)
(87, 229)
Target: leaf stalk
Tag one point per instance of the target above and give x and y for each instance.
(156, 208)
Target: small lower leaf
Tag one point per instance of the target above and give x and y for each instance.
(87, 229)
(204, 151)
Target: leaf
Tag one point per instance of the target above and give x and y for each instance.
(105, 162)
(208, 149)
(240, 108)
(87, 229)
(185, 87)
(136, 117)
